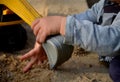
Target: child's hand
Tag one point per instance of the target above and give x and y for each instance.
(51, 25)
(42, 28)
(36, 55)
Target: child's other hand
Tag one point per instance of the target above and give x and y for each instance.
(36, 55)
(46, 26)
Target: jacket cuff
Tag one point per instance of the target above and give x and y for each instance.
(69, 30)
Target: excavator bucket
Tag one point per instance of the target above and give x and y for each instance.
(57, 52)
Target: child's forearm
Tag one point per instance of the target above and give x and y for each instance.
(63, 25)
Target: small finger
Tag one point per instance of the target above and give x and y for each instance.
(28, 55)
(29, 65)
(38, 36)
(39, 62)
(42, 57)
(35, 23)
(36, 29)
(41, 37)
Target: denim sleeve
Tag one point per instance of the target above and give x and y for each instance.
(92, 37)
(91, 14)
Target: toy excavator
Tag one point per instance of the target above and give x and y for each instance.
(56, 51)
(21, 8)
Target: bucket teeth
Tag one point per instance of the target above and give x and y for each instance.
(23, 9)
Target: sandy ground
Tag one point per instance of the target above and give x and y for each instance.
(81, 67)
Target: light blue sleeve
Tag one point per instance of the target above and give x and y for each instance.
(104, 40)
(91, 14)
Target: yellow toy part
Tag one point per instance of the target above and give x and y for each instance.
(11, 23)
(23, 9)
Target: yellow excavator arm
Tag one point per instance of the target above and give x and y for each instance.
(23, 9)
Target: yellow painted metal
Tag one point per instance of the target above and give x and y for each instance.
(11, 23)
(23, 9)
(7, 11)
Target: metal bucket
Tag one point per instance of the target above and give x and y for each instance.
(57, 52)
